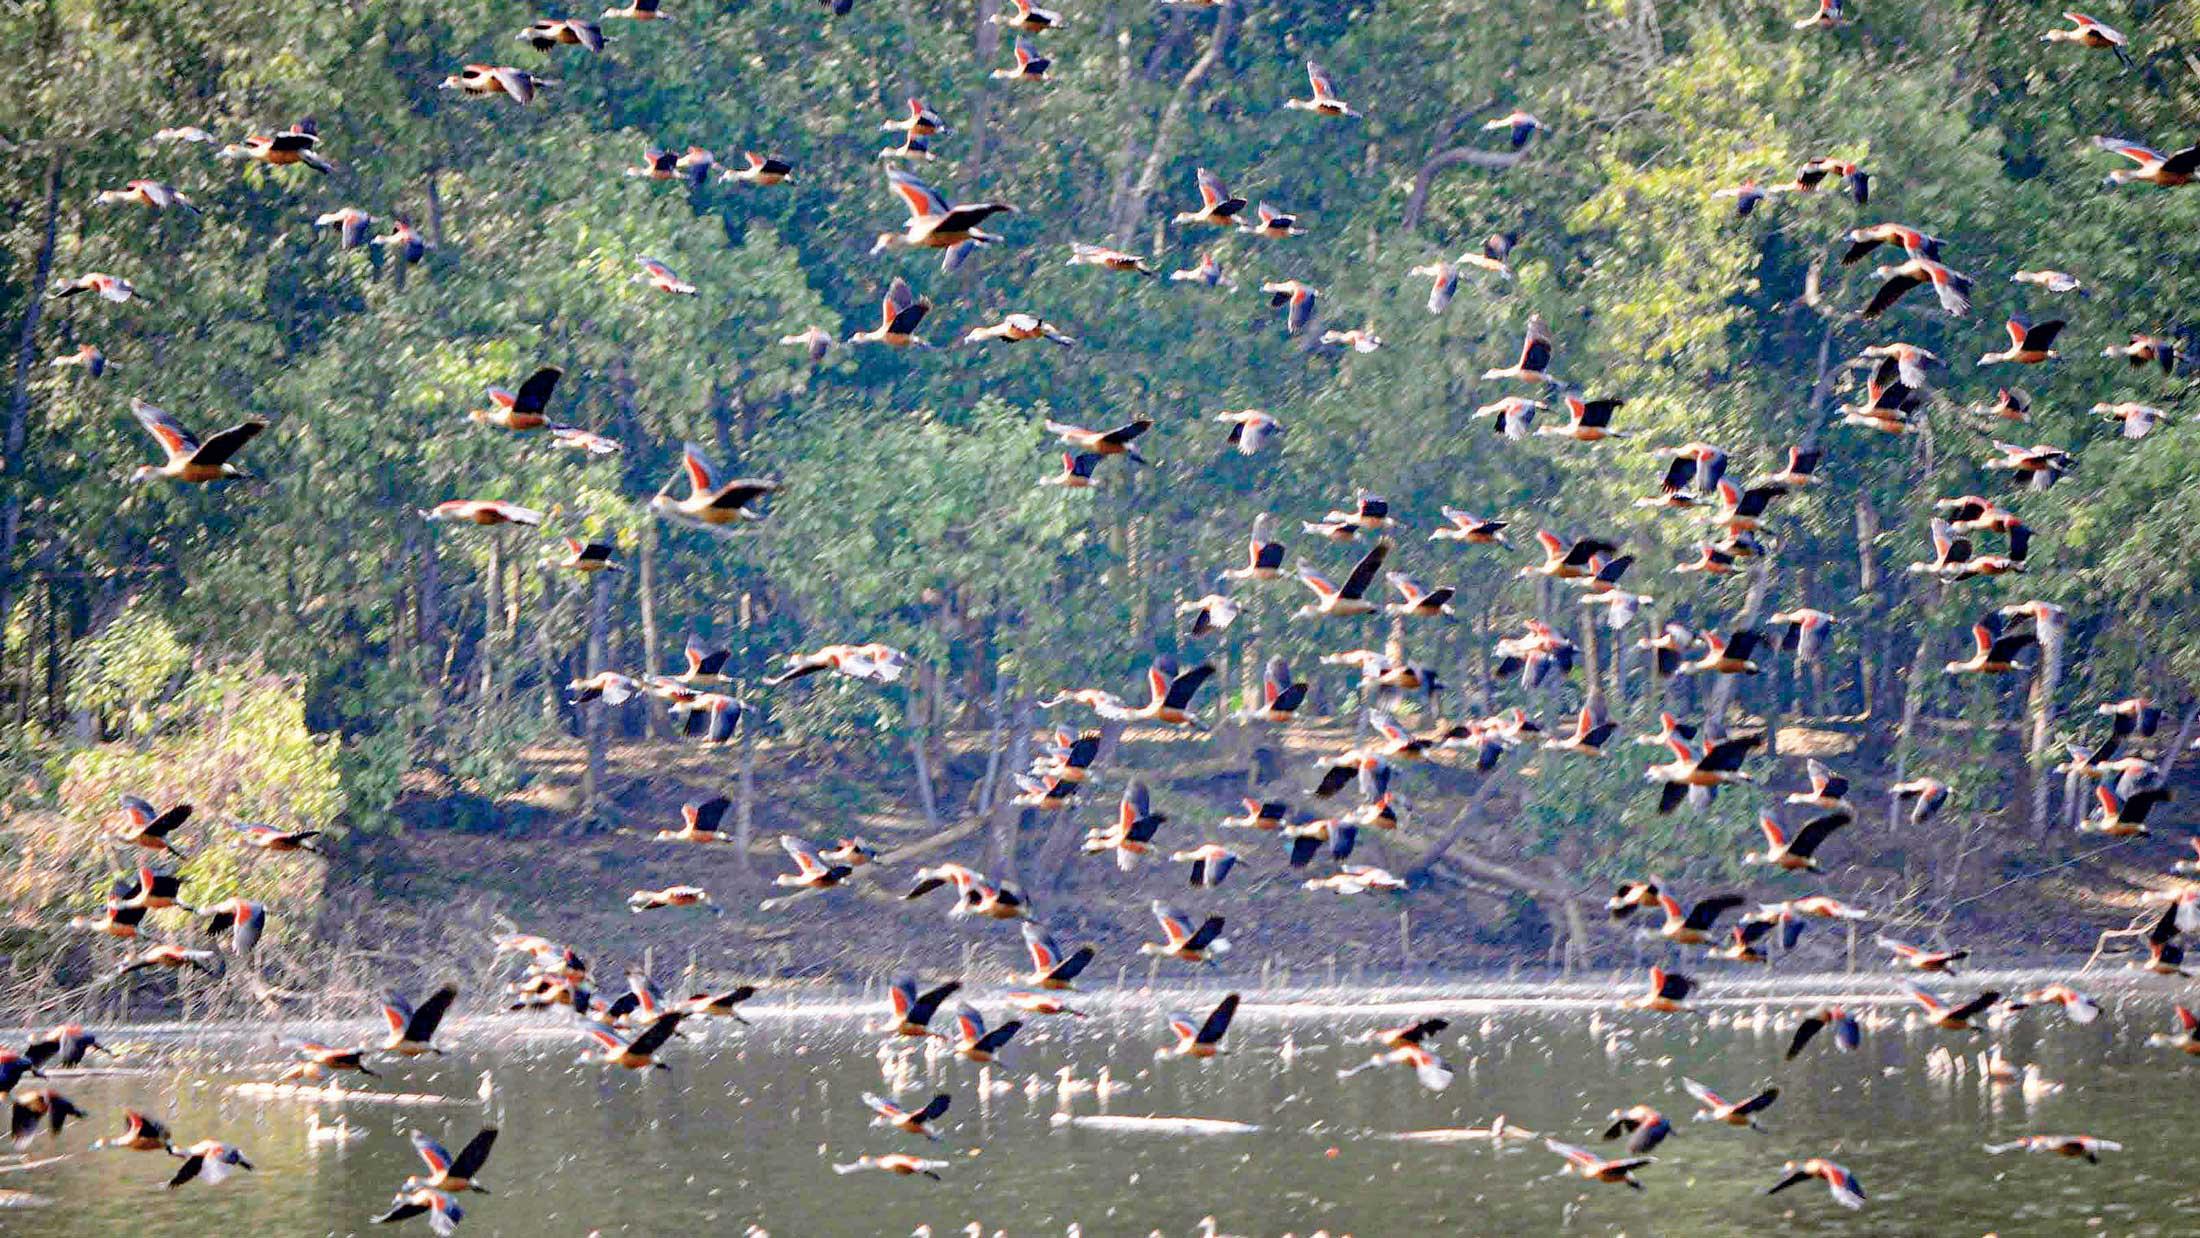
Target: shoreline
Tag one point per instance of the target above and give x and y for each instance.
(1464, 995)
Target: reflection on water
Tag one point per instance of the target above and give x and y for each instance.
(745, 1126)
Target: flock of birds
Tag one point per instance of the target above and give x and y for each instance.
(634, 1029)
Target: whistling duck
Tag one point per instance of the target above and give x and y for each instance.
(2052, 281)
(1300, 297)
(544, 33)
(587, 558)
(2144, 350)
(442, 1211)
(1929, 793)
(761, 170)
(1208, 274)
(1358, 339)
(1050, 968)
(1510, 416)
(243, 919)
(2154, 167)
(2078, 1007)
(13, 1066)
(811, 872)
(319, 1061)
(1517, 126)
(1645, 1127)
(912, 1011)
(907, 1121)
(485, 512)
(412, 1028)
(139, 1134)
(1210, 863)
(660, 277)
(1938, 1013)
(1846, 1035)
(1693, 926)
(1726, 654)
(2029, 343)
(1914, 243)
(1564, 560)
(1918, 958)
(210, 1159)
(1211, 613)
(913, 146)
(1995, 652)
(1587, 421)
(1111, 442)
(2042, 465)
(1250, 430)
(1131, 836)
(189, 460)
(816, 341)
(87, 355)
(2123, 816)
(1743, 511)
(1795, 854)
(694, 165)
(1016, 328)
(1669, 648)
(2076, 1147)
(636, 1054)
(352, 226)
(409, 244)
(921, 121)
(1324, 101)
(146, 826)
(720, 1004)
(109, 287)
(1268, 815)
(1830, 15)
(147, 889)
(710, 501)
(1746, 196)
(2085, 31)
(1803, 632)
(1202, 1039)
(1445, 286)
(1271, 224)
(1731, 1113)
(1591, 1167)
(1467, 527)
(639, 10)
(1828, 790)
(935, 224)
(1535, 355)
(115, 920)
(293, 146)
(1348, 599)
(874, 663)
(1183, 942)
(2187, 1036)
(520, 410)
(1417, 599)
(1588, 737)
(1668, 993)
(1952, 287)
(1071, 758)
(699, 821)
(896, 1163)
(155, 195)
(1030, 66)
(1814, 174)
(900, 313)
(1217, 208)
(480, 81)
(64, 1046)
(975, 1042)
(2135, 421)
(670, 896)
(1847, 1191)
(1028, 18)
(455, 1175)
(1741, 944)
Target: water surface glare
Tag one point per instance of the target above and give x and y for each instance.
(746, 1125)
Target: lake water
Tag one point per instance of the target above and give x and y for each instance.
(744, 1127)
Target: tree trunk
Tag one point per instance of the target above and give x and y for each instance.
(13, 458)
(592, 717)
(2044, 687)
(647, 584)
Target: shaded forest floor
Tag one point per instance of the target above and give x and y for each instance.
(464, 864)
